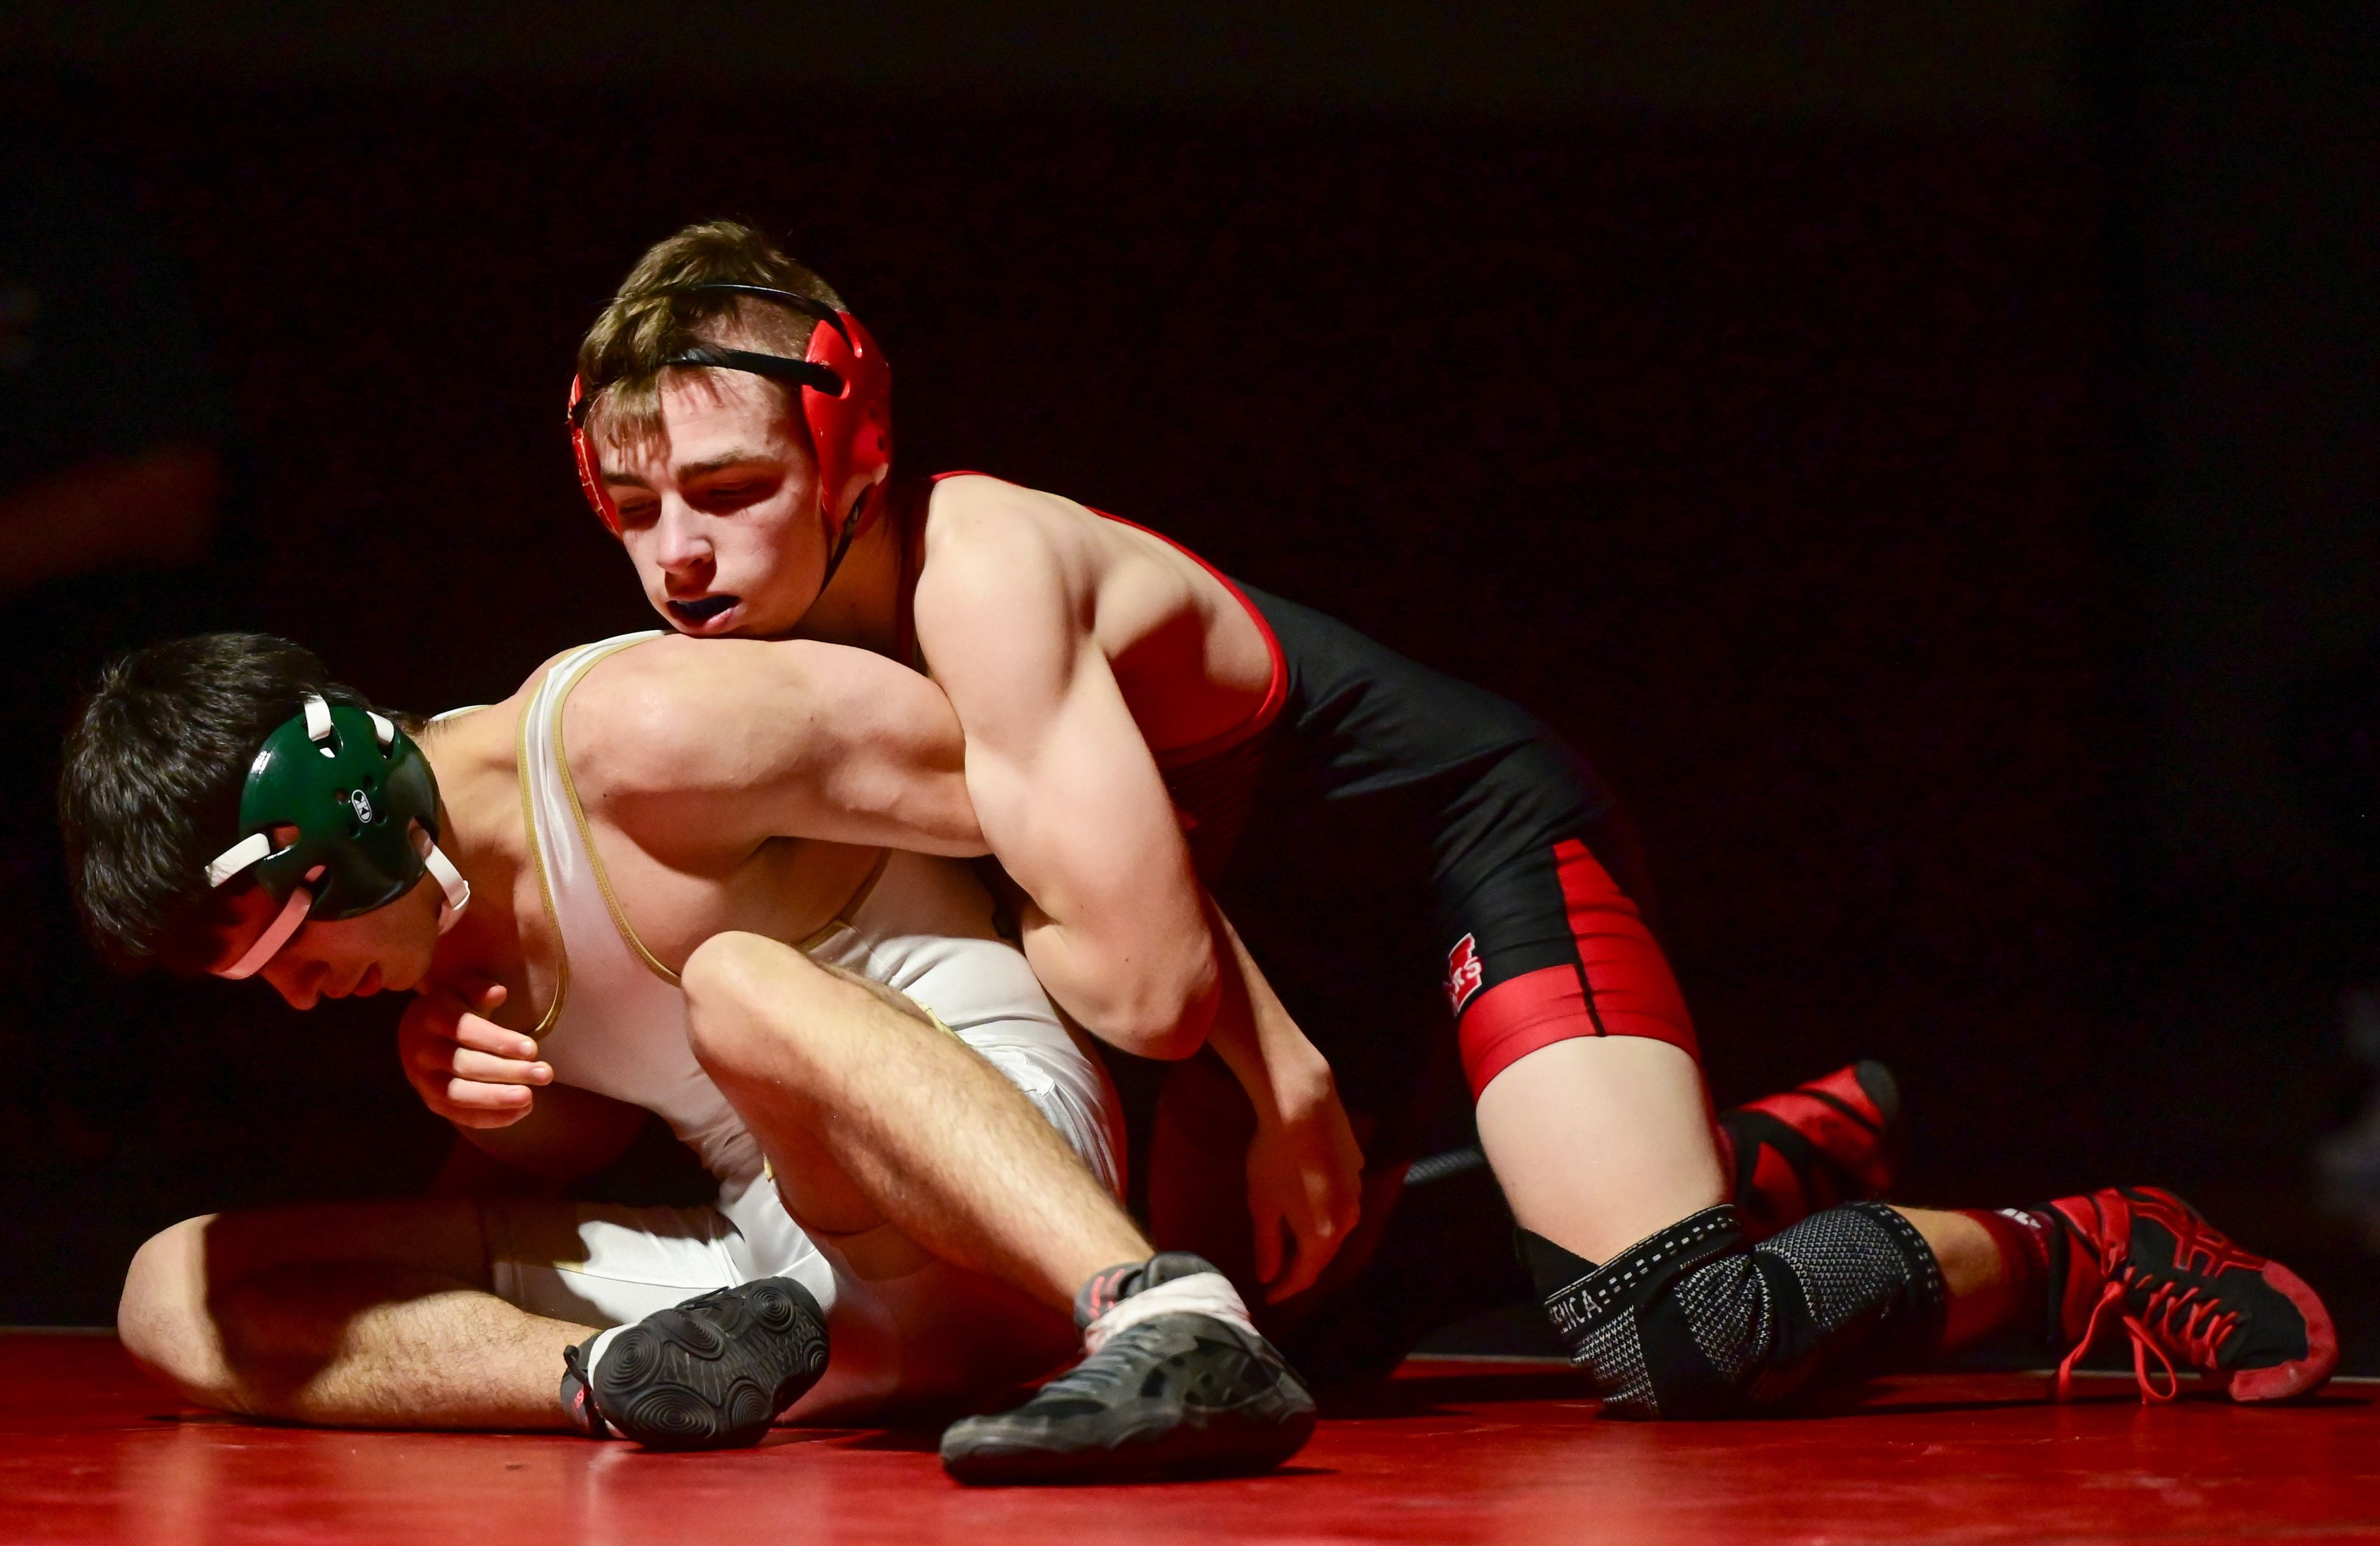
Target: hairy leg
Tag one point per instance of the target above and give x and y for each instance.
(871, 1114)
(371, 1315)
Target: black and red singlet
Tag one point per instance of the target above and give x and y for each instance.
(1398, 846)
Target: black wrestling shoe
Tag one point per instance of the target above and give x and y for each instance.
(711, 1374)
(1177, 1395)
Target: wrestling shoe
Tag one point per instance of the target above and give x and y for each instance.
(1831, 1141)
(711, 1374)
(2141, 1259)
(1177, 1384)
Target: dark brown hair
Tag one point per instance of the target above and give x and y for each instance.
(150, 790)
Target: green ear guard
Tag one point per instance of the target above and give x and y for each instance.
(365, 804)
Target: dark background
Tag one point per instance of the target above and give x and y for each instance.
(1925, 455)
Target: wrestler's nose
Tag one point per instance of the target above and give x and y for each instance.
(680, 546)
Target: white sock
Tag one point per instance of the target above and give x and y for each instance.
(1199, 1294)
(601, 1346)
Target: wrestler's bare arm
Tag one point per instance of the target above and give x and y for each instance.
(568, 1133)
(1065, 788)
(1072, 803)
(702, 755)
(724, 742)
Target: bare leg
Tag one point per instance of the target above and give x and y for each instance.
(1603, 1143)
(1976, 1280)
(1600, 1141)
(872, 1114)
(367, 1316)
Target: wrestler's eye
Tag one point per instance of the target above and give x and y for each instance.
(733, 493)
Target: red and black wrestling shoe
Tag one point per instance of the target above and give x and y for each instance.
(2143, 1258)
(1831, 1141)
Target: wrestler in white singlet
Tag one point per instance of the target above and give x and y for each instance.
(617, 1026)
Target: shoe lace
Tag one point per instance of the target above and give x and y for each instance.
(2182, 1318)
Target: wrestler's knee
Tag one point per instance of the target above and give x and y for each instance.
(754, 1004)
(162, 1319)
(1695, 1322)
(735, 972)
(742, 990)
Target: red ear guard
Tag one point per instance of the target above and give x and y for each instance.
(845, 391)
(582, 449)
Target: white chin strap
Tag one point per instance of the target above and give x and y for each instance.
(450, 879)
(292, 917)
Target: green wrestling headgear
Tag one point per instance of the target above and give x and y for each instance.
(365, 804)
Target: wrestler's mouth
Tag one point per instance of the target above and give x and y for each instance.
(697, 615)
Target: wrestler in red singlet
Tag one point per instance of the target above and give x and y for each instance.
(1395, 845)
(1370, 809)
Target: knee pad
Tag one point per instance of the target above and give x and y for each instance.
(1693, 1323)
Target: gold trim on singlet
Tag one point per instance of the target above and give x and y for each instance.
(587, 833)
(817, 937)
(843, 920)
(544, 886)
(851, 905)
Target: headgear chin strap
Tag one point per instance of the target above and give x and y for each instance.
(845, 391)
(365, 806)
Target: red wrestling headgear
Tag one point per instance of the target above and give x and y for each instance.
(845, 391)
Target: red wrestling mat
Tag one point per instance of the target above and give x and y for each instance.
(1447, 1453)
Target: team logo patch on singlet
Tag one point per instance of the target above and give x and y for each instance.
(1462, 972)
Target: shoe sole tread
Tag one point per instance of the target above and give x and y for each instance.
(705, 1387)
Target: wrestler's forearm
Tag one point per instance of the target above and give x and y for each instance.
(1282, 1072)
(567, 1134)
(1149, 1003)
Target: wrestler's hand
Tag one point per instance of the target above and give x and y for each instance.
(1305, 1176)
(465, 1067)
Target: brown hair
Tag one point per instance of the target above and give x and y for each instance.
(651, 320)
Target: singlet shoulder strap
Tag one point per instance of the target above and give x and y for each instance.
(570, 673)
(538, 756)
(573, 670)
(521, 743)
(1276, 685)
